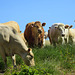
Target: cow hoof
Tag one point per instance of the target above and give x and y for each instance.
(15, 67)
(2, 71)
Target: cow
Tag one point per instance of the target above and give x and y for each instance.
(45, 36)
(11, 43)
(56, 33)
(72, 35)
(67, 33)
(34, 33)
(12, 24)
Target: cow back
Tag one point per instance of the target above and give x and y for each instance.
(12, 24)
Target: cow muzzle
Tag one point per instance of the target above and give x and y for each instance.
(39, 31)
(63, 35)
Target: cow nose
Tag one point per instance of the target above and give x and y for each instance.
(39, 31)
(63, 35)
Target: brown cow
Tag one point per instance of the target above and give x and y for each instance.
(34, 33)
(12, 24)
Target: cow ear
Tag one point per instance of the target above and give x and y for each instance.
(49, 27)
(66, 26)
(71, 26)
(43, 24)
(56, 27)
(20, 31)
(32, 25)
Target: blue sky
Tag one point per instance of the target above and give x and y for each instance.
(48, 11)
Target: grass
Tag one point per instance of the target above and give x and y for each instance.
(49, 60)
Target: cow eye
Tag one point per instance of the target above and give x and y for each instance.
(59, 29)
(36, 26)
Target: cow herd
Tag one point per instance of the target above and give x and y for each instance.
(12, 41)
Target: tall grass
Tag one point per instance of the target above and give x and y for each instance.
(49, 61)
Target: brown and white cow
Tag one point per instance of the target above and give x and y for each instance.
(34, 33)
(56, 33)
(11, 43)
(12, 24)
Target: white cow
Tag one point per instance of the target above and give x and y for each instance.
(67, 33)
(56, 33)
(72, 35)
(45, 36)
(11, 43)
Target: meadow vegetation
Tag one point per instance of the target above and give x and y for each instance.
(49, 60)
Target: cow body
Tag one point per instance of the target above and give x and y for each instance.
(12, 24)
(72, 35)
(11, 43)
(34, 33)
(15, 26)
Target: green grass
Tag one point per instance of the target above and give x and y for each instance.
(49, 60)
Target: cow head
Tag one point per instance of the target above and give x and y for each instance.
(61, 30)
(38, 26)
(29, 59)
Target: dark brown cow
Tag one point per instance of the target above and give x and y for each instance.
(34, 33)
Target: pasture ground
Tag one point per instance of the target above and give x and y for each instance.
(49, 60)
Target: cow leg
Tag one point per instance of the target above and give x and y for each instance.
(44, 41)
(54, 44)
(54, 41)
(50, 40)
(14, 60)
(2, 53)
(63, 41)
(67, 39)
(5, 61)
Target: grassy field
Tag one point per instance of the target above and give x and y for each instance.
(49, 60)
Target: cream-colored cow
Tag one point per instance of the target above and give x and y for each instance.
(11, 43)
(68, 33)
(72, 35)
